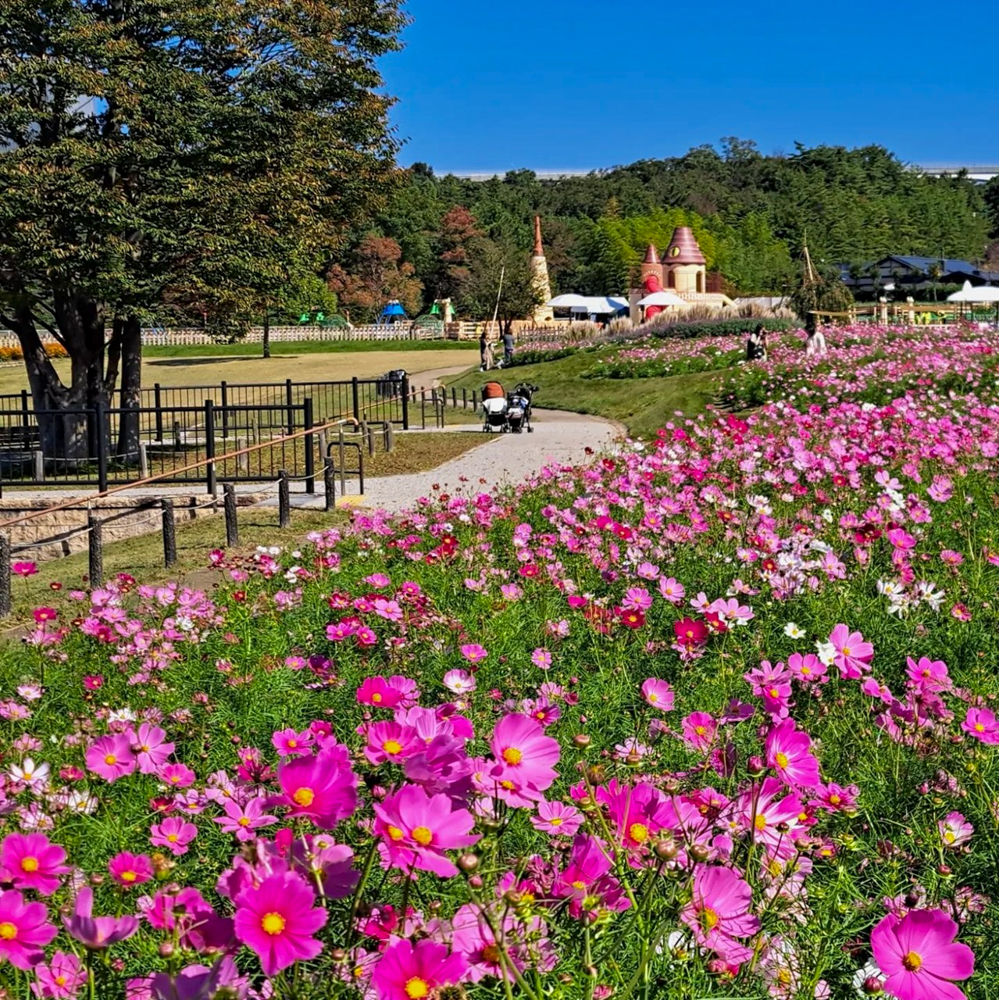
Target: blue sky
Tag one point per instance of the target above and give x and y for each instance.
(553, 84)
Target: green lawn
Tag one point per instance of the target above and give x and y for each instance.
(294, 347)
(642, 404)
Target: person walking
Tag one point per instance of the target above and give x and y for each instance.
(815, 343)
(756, 345)
(507, 347)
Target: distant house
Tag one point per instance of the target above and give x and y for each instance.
(912, 274)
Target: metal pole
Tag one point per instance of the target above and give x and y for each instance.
(24, 418)
(158, 404)
(310, 458)
(356, 399)
(102, 447)
(231, 525)
(5, 606)
(96, 555)
(225, 410)
(289, 398)
(210, 480)
(329, 483)
(343, 478)
(169, 534)
(405, 402)
(423, 407)
(284, 500)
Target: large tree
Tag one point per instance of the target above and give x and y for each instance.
(172, 151)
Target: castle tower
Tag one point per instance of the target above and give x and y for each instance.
(651, 265)
(686, 268)
(539, 277)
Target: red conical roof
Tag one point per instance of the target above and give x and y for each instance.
(683, 248)
(652, 255)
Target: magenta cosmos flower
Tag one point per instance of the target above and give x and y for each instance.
(982, 724)
(789, 754)
(277, 919)
(61, 979)
(412, 972)
(129, 870)
(525, 759)
(321, 788)
(243, 820)
(174, 834)
(151, 749)
(24, 930)
(853, 654)
(658, 694)
(919, 956)
(30, 861)
(97, 932)
(111, 757)
(473, 652)
(417, 828)
(557, 818)
(719, 912)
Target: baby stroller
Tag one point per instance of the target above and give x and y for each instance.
(494, 407)
(518, 412)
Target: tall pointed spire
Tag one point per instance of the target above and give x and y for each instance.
(539, 250)
(539, 278)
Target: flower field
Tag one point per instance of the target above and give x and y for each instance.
(713, 716)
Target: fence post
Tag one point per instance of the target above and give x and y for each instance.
(96, 554)
(355, 398)
(388, 435)
(454, 396)
(169, 534)
(423, 407)
(231, 525)
(178, 445)
(24, 417)
(143, 459)
(38, 462)
(210, 480)
(102, 446)
(329, 483)
(225, 410)
(405, 402)
(284, 500)
(4, 574)
(289, 398)
(343, 478)
(157, 403)
(310, 456)
(464, 399)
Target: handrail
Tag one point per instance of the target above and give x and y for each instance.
(214, 460)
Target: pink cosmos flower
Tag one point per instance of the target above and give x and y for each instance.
(919, 956)
(129, 870)
(24, 930)
(671, 590)
(982, 724)
(927, 674)
(473, 652)
(699, 731)
(30, 861)
(853, 654)
(658, 694)
(557, 818)
(391, 742)
(93, 932)
(773, 821)
(636, 599)
(836, 798)
(719, 913)
(542, 659)
(61, 979)
(459, 682)
(789, 754)
(289, 743)
(807, 668)
(24, 569)
(386, 693)
(416, 829)
(412, 972)
(277, 919)
(151, 749)
(322, 788)
(525, 759)
(177, 776)
(174, 834)
(111, 757)
(243, 820)
(955, 830)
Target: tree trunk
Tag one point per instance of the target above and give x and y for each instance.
(130, 398)
(267, 334)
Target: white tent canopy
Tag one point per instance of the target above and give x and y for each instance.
(662, 299)
(590, 305)
(971, 293)
(568, 301)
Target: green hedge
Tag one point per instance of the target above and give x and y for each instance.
(722, 328)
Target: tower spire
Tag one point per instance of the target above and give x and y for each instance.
(539, 250)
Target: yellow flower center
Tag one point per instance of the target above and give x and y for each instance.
(243, 821)
(653, 697)
(579, 884)
(700, 730)
(422, 836)
(508, 785)
(638, 832)
(110, 759)
(8, 931)
(913, 961)
(416, 988)
(392, 746)
(376, 698)
(979, 728)
(60, 980)
(949, 837)
(29, 864)
(358, 971)
(128, 876)
(491, 954)
(512, 755)
(175, 778)
(760, 822)
(556, 821)
(774, 692)
(172, 837)
(846, 650)
(395, 833)
(806, 670)
(834, 800)
(709, 918)
(781, 759)
(304, 797)
(292, 744)
(774, 867)
(272, 923)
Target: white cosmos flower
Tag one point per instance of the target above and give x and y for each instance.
(826, 652)
(30, 773)
(793, 631)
